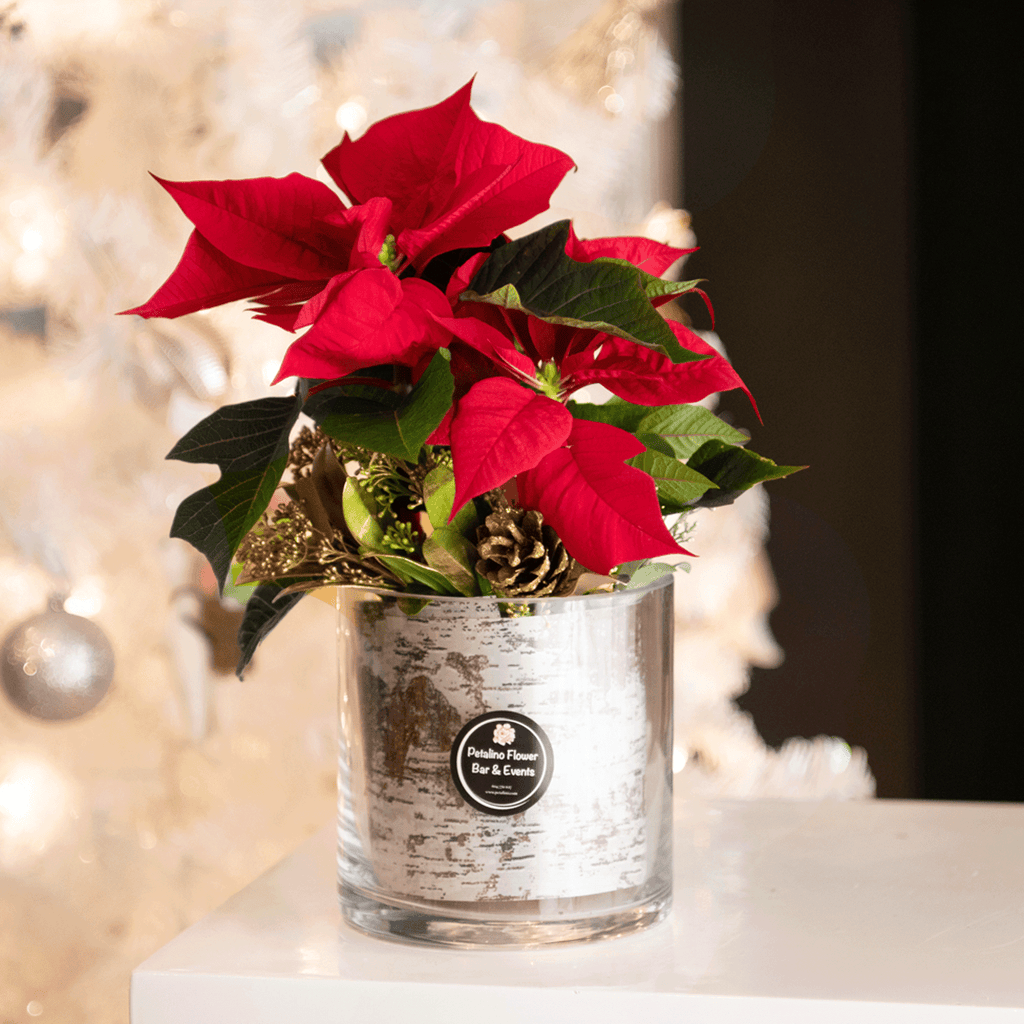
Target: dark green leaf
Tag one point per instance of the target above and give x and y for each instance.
(215, 519)
(361, 511)
(535, 275)
(408, 570)
(620, 414)
(239, 438)
(677, 483)
(315, 405)
(648, 573)
(439, 497)
(656, 443)
(736, 469)
(412, 606)
(263, 611)
(382, 426)
(687, 427)
(625, 571)
(448, 551)
(249, 443)
(655, 287)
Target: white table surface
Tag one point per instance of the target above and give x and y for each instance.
(880, 911)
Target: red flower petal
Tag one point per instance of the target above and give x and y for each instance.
(365, 318)
(553, 342)
(442, 432)
(204, 278)
(343, 294)
(291, 294)
(455, 181)
(647, 377)
(487, 205)
(283, 317)
(275, 224)
(397, 155)
(490, 342)
(459, 281)
(650, 256)
(283, 305)
(366, 226)
(469, 367)
(717, 368)
(605, 512)
(445, 204)
(500, 429)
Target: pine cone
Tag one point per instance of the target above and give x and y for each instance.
(521, 556)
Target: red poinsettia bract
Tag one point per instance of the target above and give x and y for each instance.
(455, 182)
(424, 182)
(605, 512)
(513, 375)
(570, 470)
(514, 372)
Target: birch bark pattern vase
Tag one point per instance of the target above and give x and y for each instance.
(505, 765)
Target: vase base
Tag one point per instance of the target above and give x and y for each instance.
(510, 926)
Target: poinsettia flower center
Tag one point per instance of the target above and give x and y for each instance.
(550, 381)
(388, 254)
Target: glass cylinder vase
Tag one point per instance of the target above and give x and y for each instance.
(505, 765)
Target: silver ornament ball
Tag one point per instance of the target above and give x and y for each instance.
(56, 666)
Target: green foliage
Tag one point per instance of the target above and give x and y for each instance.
(616, 412)
(646, 573)
(265, 608)
(387, 422)
(411, 571)
(733, 470)
(534, 274)
(678, 484)
(686, 427)
(361, 513)
(439, 497)
(452, 555)
(249, 444)
(656, 443)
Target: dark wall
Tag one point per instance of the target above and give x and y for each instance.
(969, 111)
(796, 151)
(853, 172)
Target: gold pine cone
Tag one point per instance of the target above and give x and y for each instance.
(521, 556)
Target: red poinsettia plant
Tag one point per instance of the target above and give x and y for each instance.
(437, 361)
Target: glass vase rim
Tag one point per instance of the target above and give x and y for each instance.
(602, 596)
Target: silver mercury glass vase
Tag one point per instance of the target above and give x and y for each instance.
(505, 765)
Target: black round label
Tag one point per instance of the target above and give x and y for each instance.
(501, 762)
